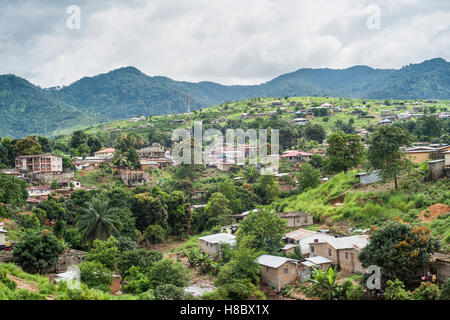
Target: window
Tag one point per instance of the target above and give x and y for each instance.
(267, 269)
(286, 270)
(330, 253)
(312, 249)
(346, 255)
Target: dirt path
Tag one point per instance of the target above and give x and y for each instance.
(22, 284)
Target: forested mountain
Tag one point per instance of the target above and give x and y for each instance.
(127, 92)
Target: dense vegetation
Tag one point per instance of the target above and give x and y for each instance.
(127, 92)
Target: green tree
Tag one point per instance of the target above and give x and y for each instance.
(167, 271)
(314, 132)
(27, 146)
(95, 275)
(179, 213)
(13, 191)
(445, 290)
(344, 152)
(37, 251)
(385, 151)
(228, 189)
(171, 292)
(426, 291)
(396, 291)
(154, 234)
(325, 283)
(267, 188)
(217, 206)
(140, 258)
(399, 249)
(97, 220)
(148, 210)
(106, 252)
(267, 228)
(308, 177)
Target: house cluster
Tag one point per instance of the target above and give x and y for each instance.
(437, 157)
(154, 157)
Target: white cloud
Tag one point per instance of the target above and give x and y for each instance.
(227, 41)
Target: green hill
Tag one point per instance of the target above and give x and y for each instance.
(127, 92)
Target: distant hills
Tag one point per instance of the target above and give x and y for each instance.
(127, 92)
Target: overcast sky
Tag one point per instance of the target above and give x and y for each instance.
(226, 41)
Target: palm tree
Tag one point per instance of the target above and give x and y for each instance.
(97, 220)
(120, 159)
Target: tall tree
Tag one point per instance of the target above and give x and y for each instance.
(97, 220)
(385, 152)
(344, 152)
(399, 249)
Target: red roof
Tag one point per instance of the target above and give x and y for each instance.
(295, 153)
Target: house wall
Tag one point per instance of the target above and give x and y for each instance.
(437, 169)
(50, 177)
(442, 270)
(350, 263)
(324, 249)
(418, 157)
(2, 238)
(210, 248)
(278, 278)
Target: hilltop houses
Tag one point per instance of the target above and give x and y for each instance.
(154, 157)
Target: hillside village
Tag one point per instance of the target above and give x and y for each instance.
(112, 201)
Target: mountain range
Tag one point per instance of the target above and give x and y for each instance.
(126, 92)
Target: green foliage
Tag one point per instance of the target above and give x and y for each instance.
(267, 188)
(97, 220)
(95, 275)
(37, 251)
(344, 152)
(385, 151)
(139, 258)
(325, 284)
(155, 234)
(105, 252)
(13, 191)
(266, 227)
(308, 177)
(171, 292)
(396, 291)
(445, 290)
(399, 249)
(167, 271)
(426, 291)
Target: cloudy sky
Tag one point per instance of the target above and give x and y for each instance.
(226, 41)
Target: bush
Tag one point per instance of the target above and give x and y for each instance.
(426, 291)
(445, 290)
(140, 258)
(95, 275)
(355, 292)
(396, 291)
(240, 289)
(171, 292)
(170, 272)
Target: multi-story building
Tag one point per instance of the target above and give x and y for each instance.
(44, 163)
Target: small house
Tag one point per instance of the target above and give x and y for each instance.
(3, 233)
(297, 219)
(211, 244)
(105, 153)
(369, 177)
(278, 272)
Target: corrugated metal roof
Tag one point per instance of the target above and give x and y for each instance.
(273, 261)
(220, 238)
(357, 242)
(318, 260)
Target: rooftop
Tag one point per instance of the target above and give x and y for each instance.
(273, 261)
(318, 260)
(220, 238)
(299, 234)
(107, 150)
(357, 242)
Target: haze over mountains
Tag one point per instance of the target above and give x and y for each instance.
(127, 92)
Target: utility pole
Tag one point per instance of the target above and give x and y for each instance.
(170, 111)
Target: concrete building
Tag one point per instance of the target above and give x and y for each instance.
(296, 156)
(297, 219)
(37, 191)
(300, 121)
(44, 163)
(134, 178)
(342, 251)
(211, 244)
(302, 238)
(105, 153)
(278, 272)
(369, 177)
(419, 154)
(154, 151)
